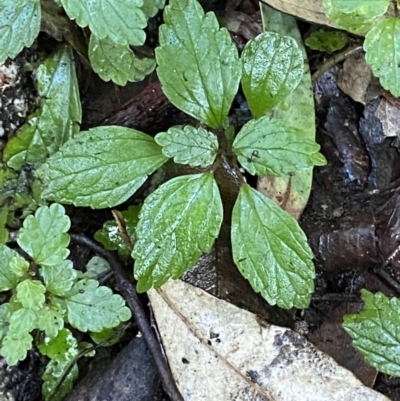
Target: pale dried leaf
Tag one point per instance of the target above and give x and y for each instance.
(355, 77)
(389, 115)
(220, 352)
(310, 10)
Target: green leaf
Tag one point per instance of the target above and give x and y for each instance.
(298, 111)
(3, 222)
(198, 65)
(4, 319)
(22, 320)
(58, 118)
(50, 319)
(53, 374)
(94, 308)
(101, 167)
(111, 336)
(19, 266)
(59, 278)
(44, 236)
(64, 347)
(326, 40)
(189, 145)
(151, 7)
(19, 26)
(370, 8)
(110, 237)
(266, 146)
(9, 275)
(120, 20)
(117, 62)
(271, 251)
(178, 223)
(31, 294)
(375, 331)
(95, 267)
(272, 68)
(356, 16)
(15, 346)
(382, 48)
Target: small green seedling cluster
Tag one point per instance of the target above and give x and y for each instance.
(115, 25)
(48, 295)
(200, 72)
(382, 40)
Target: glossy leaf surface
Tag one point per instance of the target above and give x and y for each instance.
(151, 7)
(19, 26)
(356, 16)
(101, 167)
(116, 62)
(50, 319)
(178, 222)
(120, 20)
(291, 192)
(370, 8)
(198, 64)
(272, 68)
(382, 48)
(93, 307)
(271, 251)
(189, 145)
(59, 115)
(375, 331)
(55, 370)
(15, 347)
(267, 146)
(110, 235)
(59, 278)
(8, 275)
(44, 236)
(61, 347)
(31, 294)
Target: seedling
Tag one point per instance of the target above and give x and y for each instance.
(48, 295)
(382, 40)
(200, 72)
(114, 26)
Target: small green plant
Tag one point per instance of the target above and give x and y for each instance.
(56, 120)
(48, 297)
(375, 331)
(326, 40)
(382, 40)
(114, 26)
(200, 72)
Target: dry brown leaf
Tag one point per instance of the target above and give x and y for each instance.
(220, 352)
(355, 77)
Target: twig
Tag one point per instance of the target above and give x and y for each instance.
(129, 292)
(389, 280)
(336, 58)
